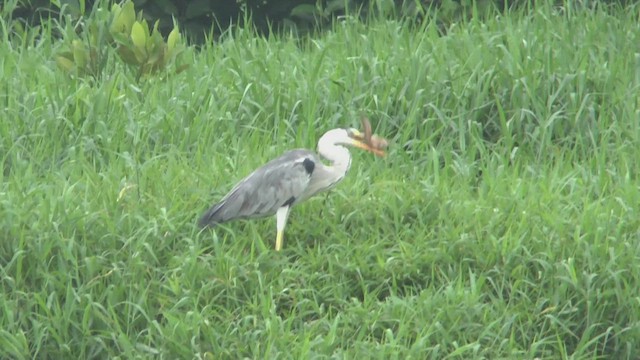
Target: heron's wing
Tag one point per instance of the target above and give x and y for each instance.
(278, 183)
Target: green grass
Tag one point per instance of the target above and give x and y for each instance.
(502, 225)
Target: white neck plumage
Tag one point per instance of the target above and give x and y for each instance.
(330, 148)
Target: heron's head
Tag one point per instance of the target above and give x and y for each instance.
(351, 137)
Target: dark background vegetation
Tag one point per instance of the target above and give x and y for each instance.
(199, 18)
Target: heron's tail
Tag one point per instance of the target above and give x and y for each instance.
(210, 218)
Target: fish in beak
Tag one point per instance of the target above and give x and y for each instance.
(367, 141)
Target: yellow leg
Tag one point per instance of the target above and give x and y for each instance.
(281, 221)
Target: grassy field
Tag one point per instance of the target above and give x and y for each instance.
(503, 224)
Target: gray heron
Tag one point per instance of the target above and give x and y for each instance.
(292, 178)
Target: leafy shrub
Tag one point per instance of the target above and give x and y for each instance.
(144, 50)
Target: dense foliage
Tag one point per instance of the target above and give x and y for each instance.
(502, 225)
(201, 17)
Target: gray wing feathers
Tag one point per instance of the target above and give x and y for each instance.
(279, 182)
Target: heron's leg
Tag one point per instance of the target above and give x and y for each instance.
(281, 221)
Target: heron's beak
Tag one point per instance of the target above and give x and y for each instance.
(360, 141)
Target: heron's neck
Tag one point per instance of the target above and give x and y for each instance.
(339, 158)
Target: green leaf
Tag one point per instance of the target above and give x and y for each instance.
(155, 27)
(138, 36)
(156, 48)
(64, 63)
(122, 39)
(174, 37)
(140, 54)
(155, 40)
(115, 10)
(123, 18)
(80, 55)
(128, 56)
(145, 27)
(94, 33)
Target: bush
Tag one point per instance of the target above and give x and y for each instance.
(143, 49)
